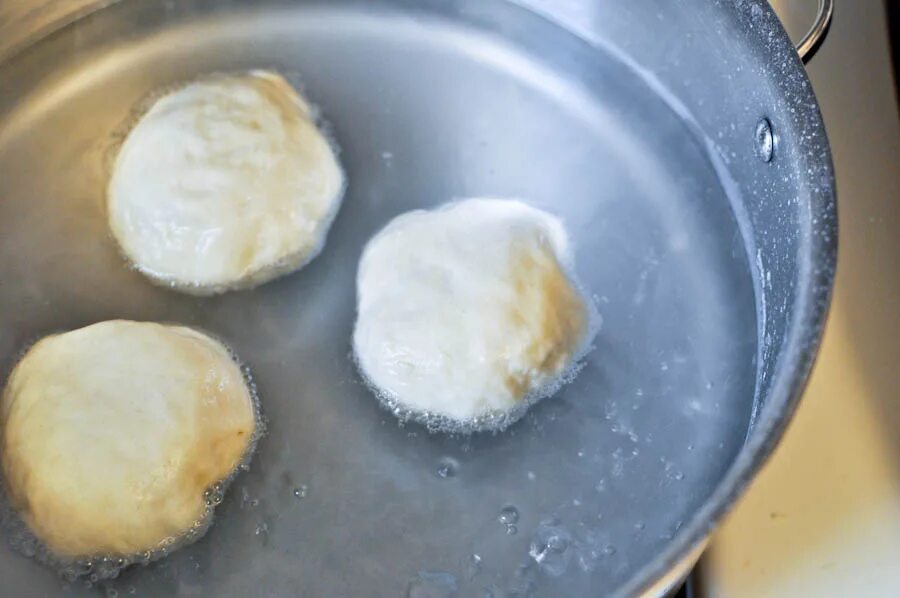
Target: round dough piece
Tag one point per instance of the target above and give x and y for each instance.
(110, 435)
(224, 183)
(467, 311)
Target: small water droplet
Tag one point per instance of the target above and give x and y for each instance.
(446, 468)
(473, 567)
(531, 476)
(609, 550)
(511, 530)
(301, 491)
(679, 476)
(557, 543)
(639, 525)
(549, 548)
(508, 515)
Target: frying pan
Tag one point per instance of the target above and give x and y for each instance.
(681, 144)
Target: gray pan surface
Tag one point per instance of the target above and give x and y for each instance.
(427, 105)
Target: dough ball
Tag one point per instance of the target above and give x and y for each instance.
(111, 434)
(224, 183)
(468, 311)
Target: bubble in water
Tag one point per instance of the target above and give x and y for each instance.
(508, 515)
(447, 468)
(112, 593)
(433, 584)
(473, 566)
(301, 491)
(511, 530)
(588, 551)
(609, 550)
(639, 525)
(549, 548)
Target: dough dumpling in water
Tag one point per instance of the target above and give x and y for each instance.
(224, 183)
(110, 435)
(468, 312)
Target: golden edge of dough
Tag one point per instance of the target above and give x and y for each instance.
(16, 501)
(288, 264)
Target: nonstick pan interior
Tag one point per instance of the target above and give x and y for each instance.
(426, 106)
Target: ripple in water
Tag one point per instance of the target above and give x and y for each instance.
(433, 584)
(509, 516)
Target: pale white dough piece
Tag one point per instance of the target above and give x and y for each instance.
(224, 183)
(111, 434)
(467, 310)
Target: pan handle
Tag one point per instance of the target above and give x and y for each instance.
(816, 34)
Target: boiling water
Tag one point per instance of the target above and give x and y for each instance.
(486, 101)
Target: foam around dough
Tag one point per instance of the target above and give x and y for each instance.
(224, 183)
(111, 434)
(467, 310)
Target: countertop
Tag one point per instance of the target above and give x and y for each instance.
(823, 518)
